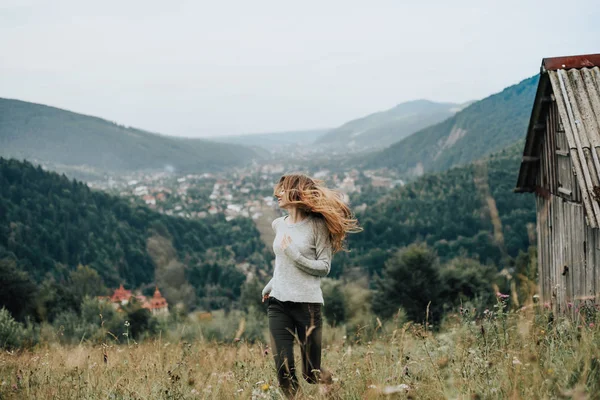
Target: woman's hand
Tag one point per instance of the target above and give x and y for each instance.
(265, 297)
(286, 241)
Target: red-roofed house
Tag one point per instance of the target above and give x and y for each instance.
(157, 304)
(121, 296)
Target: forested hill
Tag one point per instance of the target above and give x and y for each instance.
(49, 225)
(383, 128)
(452, 211)
(484, 127)
(50, 135)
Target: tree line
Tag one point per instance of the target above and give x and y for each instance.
(50, 226)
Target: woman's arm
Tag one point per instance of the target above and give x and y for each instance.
(267, 288)
(322, 264)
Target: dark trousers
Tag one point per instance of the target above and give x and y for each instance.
(290, 322)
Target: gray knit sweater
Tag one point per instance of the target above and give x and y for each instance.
(299, 268)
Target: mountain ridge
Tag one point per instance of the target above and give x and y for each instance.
(49, 134)
(481, 128)
(383, 128)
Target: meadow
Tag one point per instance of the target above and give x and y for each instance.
(489, 354)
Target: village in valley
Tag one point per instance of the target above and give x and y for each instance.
(245, 192)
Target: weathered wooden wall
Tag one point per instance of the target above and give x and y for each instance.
(568, 253)
(568, 249)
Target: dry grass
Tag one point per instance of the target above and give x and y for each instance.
(507, 356)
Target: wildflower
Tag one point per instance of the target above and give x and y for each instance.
(372, 386)
(194, 391)
(127, 323)
(265, 387)
(516, 361)
(592, 325)
(502, 296)
(570, 305)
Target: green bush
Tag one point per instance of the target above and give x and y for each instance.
(334, 309)
(11, 331)
(465, 280)
(411, 281)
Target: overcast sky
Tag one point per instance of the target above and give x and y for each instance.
(209, 68)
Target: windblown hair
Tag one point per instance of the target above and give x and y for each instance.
(313, 197)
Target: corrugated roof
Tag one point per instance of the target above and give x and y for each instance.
(575, 83)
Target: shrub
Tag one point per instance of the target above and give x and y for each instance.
(334, 310)
(11, 331)
(411, 281)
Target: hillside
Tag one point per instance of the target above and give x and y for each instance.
(381, 129)
(274, 141)
(54, 136)
(451, 211)
(482, 128)
(49, 225)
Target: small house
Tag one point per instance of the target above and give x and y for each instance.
(561, 165)
(157, 304)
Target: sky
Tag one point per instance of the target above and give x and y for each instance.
(212, 68)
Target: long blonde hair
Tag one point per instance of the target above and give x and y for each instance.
(313, 197)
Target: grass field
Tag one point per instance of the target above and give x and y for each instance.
(516, 355)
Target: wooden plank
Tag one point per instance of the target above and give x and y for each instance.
(577, 253)
(554, 246)
(540, 249)
(564, 191)
(552, 126)
(586, 123)
(559, 282)
(575, 148)
(581, 250)
(542, 237)
(570, 243)
(589, 254)
(592, 260)
(597, 264)
(550, 251)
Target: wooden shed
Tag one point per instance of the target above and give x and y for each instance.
(561, 165)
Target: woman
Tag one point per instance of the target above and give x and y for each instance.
(305, 240)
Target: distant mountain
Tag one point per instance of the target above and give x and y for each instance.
(381, 129)
(482, 128)
(274, 141)
(51, 135)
